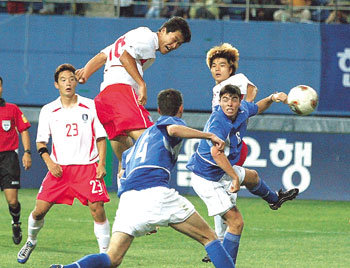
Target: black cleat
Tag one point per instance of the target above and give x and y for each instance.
(56, 266)
(17, 233)
(206, 259)
(283, 197)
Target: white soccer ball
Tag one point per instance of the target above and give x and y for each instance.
(302, 99)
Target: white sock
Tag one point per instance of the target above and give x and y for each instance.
(220, 227)
(34, 227)
(102, 233)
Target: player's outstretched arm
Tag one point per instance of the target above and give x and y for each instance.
(252, 91)
(191, 133)
(222, 161)
(265, 103)
(101, 167)
(92, 66)
(55, 169)
(26, 159)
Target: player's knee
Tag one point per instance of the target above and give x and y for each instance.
(38, 215)
(236, 225)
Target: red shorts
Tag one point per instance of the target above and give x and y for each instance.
(118, 110)
(77, 181)
(243, 156)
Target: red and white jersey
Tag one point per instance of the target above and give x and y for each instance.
(141, 44)
(73, 131)
(239, 80)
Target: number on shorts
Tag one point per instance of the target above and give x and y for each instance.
(96, 186)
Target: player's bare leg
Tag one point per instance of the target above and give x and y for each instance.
(119, 245)
(119, 144)
(197, 228)
(101, 225)
(135, 134)
(11, 196)
(40, 209)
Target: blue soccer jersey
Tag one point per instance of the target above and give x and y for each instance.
(149, 162)
(202, 162)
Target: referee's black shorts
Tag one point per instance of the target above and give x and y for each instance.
(9, 170)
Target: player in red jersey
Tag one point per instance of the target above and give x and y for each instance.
(120, 104)
(76, 166)
(13, 121)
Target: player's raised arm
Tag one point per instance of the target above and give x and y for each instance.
(252, 91)
(129, 63)
(265, 103)
(92, 66)
(190, 133)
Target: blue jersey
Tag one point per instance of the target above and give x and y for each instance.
(202, 162)
(150, 161)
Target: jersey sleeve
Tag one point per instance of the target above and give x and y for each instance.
(252, 108)
(141, 44)
(107, 50)
(44, 133)
(21, 121)
(162, 124)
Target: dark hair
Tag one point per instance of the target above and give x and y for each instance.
(1, 80)
(178, 24)
(169, 101)
(232, 90)
(62, 68)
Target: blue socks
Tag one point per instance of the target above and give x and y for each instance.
(264, 191)
(231, 244)
(218, 255)
(92, 261)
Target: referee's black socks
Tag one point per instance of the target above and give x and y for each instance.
(15, 212)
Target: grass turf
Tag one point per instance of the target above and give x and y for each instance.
(301, 234)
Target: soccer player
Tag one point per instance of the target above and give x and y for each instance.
(146, 178)
(76, 166)
(13, 121)
(216, 174)
(120, 104)
(222, 62)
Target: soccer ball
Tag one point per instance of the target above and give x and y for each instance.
(302, 99)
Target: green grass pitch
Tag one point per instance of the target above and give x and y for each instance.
(300, 234)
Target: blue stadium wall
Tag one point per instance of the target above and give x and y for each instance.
(275, 56)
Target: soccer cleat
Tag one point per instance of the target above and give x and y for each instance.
(24, 253)
(17, 233)
(56, 266)
(206, 259)
(283, 197)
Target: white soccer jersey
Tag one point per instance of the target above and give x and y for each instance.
(141, 44)
(73, 131)
(239, 80)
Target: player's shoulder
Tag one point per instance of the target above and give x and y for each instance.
(86, 102)
(52, 106)
(170, 120)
